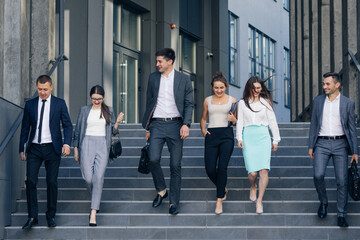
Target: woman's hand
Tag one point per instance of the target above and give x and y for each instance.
(240, 144)
(231, 118)
(274, 147)
(204, 132)
(120, 117)
(76, 154)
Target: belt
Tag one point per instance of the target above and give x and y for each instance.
(332, 137)
(167, 119)
(42, 144)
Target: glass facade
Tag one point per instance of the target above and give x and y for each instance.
(262, 57)
(126, 55)
(287, 77)
(233, 50)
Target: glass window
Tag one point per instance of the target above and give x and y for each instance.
(287, 77)
(233, 49)
(126, 27)
(262, 57)
(286, 5)
(188, 54)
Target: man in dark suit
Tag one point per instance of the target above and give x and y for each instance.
(167, 118)
(332, 135)
(42, 118)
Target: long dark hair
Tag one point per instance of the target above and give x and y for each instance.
(105, 111)
(265, 92)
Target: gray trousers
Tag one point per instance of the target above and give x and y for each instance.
(337, 150)
(93, 161)
(169, 132)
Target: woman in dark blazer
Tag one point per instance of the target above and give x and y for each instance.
(94, 129)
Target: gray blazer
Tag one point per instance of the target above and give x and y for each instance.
(183, 93)
(347, 115)
(81, 123)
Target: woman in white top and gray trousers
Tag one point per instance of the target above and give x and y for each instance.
(94, 129)
(255, 117)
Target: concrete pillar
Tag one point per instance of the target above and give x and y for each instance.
(41, 39)
(337, 36)
(293, 59)
(352, 33)
(12, 51)
(2, 20)
(299, 89)
(306, 51)
(25, 90)
(325, 36)
(315, 46)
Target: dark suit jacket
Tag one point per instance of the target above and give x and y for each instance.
(58, 114)
(183, 93)
(347, 115)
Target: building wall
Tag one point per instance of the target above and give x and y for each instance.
(272, 19)
(322, 33)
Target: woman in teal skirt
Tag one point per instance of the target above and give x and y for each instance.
(255, 117)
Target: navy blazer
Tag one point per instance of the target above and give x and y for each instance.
(58, 114)
(183, 94)
(347, 115)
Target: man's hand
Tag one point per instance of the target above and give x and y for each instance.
(240, 144)
(274, 147)
(147, 136)
(311, 153)
(184, 132)
(354, 157)
(76, 154)
(22, 156)
(65, 150)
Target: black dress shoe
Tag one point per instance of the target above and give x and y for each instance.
(92, 224)
(341, 222)
(158, 199)
(173, 209)
(322, 211)
(51, 222)
(30, 222)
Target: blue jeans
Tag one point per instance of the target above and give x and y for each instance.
(169, 132)
(337, 150)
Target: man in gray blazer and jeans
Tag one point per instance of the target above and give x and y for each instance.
(167, 118)
(333, 134)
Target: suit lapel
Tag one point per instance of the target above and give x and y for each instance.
(52, 107)
(342, 109)
(176, 83)
(157, 85)
(322, 102)
(36, 110)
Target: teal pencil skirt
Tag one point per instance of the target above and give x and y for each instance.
(257, 148)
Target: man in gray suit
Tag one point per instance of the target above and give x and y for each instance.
(167, 118)
(332, 134)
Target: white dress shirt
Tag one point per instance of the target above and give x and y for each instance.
(331, 122)
(95, 126)
(45, 130)
(166, 106)
(263, 115)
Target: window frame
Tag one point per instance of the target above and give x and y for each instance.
(233, 80)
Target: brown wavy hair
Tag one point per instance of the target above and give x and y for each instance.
(265, 92)
(219, 77)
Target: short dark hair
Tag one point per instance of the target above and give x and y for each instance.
(43, 79)
(334, 75)
(167, 53)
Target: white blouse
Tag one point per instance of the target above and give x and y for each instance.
(263, 115)
(95, 126)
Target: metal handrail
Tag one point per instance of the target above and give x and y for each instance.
(18, 120)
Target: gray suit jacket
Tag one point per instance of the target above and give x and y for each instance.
(81, 123)
(347, 115)
(183, 93)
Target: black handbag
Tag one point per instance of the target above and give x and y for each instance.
(354, 182)
(144, 160)
(116, 148)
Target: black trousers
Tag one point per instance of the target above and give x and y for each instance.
(219, 145)
(36, 155)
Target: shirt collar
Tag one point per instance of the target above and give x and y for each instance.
(47, 100)
(170, 76)
(335, 100)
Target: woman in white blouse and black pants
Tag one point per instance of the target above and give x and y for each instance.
(255, 117)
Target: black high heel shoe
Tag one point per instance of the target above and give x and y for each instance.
(91, 224)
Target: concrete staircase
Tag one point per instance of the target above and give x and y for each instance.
(290, 202)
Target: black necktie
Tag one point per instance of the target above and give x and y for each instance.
(41, 119)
